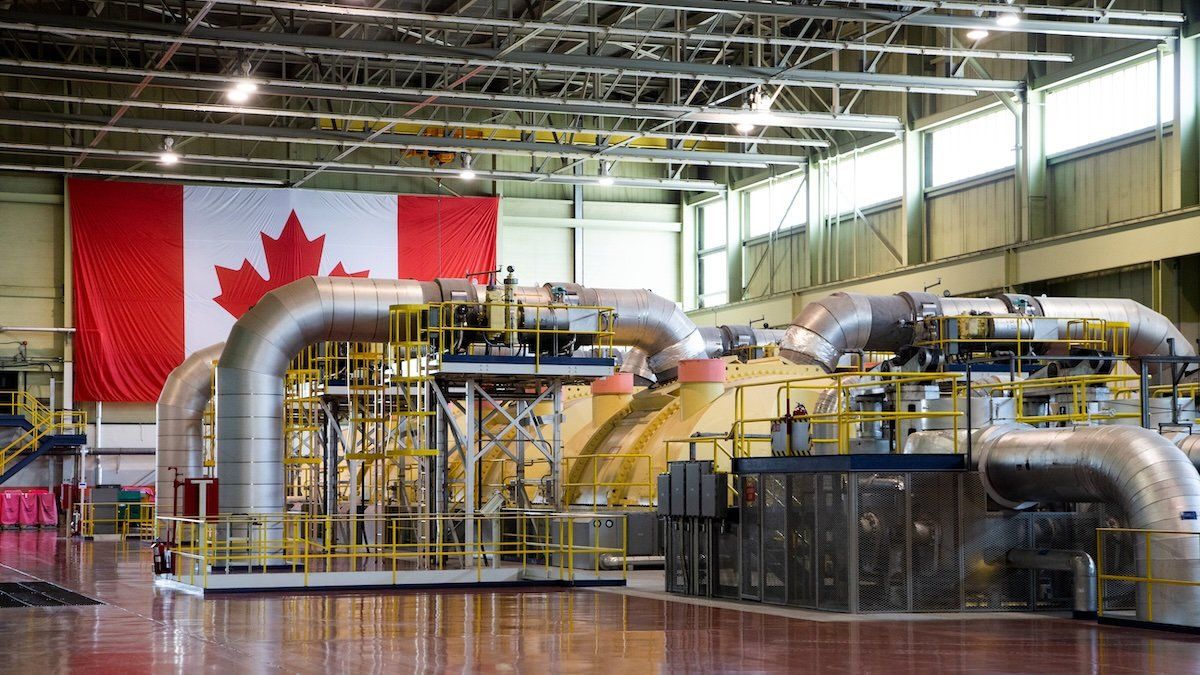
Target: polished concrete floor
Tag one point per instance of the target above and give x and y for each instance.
(145, 629)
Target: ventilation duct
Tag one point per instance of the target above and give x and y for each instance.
(827, 329)
(180, 417)
(1135, 469)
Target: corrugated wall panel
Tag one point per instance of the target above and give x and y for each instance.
(859, 251)
(783, 271)
(1119, 184)
(973, 219)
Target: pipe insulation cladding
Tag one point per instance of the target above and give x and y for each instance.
(250, 374)
(180, 416)
(827, 329)
(1138, 470)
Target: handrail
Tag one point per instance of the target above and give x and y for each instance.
(599, 326)
(842, 383)
(1081, 332)
(42, 420)
(316, 544)
(1148, 579)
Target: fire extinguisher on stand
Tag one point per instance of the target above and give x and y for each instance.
(164, 562)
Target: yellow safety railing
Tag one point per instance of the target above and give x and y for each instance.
(641, 476)
(1185, 390)
(971, 336)
(1132, 550)
(302, 426)
(410, 350)
(42, 420)
(1075, 409)
(843, 385)
(124, 519)
(524, 329)
(708, 448)
(546, 543)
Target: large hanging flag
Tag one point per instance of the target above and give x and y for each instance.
(163, 270)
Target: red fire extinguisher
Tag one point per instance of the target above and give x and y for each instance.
(164, 562)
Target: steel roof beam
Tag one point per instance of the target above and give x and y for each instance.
(368, 168)
(462, 98)
(395, 141)
(928, 19)
(1101, 13)
(475, 21)
(416, 121)
(301, 44)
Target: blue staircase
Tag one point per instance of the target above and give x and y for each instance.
(56, 430)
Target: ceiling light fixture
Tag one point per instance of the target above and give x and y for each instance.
(242, 86)
(976, 34)
(1007, 19)
(467, 172)
(168, 156)
(756, 112)
(605, 174)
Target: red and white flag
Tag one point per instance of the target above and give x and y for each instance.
(163, 270)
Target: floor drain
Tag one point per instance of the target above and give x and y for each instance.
(40, 594)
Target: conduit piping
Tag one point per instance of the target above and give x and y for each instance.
(1081, 566)
(249, 406)
(180, 417)
(1133, 468)
(853, 322)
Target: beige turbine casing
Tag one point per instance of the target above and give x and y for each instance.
(618, 445)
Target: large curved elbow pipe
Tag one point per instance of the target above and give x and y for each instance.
(1135, 469)
(848, 322)
(249, 402)
(180, 418)
(1081, 566)
(649, 323)
(249, 408)
(1190, 445)
(853, 322)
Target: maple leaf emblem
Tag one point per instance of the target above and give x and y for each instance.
(291, 256)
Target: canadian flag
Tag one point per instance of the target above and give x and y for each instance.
(163, 270)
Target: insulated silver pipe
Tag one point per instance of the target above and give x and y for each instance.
(1136, 469)
(852, 322)
(647, 322)
(1081, 566)
(1190, 445)
(180, 418)
(249, 405)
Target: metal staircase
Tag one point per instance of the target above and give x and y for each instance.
(35, 430)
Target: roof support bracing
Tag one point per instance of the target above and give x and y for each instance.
(337, 139)
(564, 29)
(928, 19)
(363, 168)
(464, 98)
(416, 121)
(537, 62)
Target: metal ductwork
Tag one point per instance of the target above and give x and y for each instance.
(249, 406)
(853, 322)
(180, 417)
(1081, 566)
(650, 323)
(1190, 445)
(1136, 469)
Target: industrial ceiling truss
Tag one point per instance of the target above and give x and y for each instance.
(276, 92)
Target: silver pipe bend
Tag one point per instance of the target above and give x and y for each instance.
(179, 415)
(1138, 470)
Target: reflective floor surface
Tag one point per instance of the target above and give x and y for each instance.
(145, 629)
